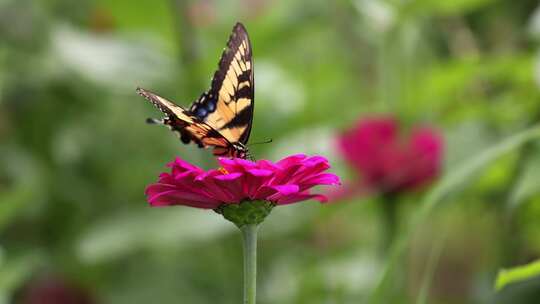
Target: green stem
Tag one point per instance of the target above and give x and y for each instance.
(188, 53)
(249, 235)
(389, 221)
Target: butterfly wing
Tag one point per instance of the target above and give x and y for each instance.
(221, 117)
(189, 127)
(228, 105)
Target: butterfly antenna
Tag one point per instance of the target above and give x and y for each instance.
(261, 142)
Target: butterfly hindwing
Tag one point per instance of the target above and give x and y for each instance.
(228, 105)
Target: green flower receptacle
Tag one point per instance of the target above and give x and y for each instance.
(246, 213)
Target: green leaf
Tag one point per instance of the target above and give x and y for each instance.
(431, 267)
(15, 271)
(451, 181)
(455, 7)
(26, 187)
(517, 274)
(155, 16)
(122, 234)
(527, 184)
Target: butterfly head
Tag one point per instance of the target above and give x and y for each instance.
(240, 151)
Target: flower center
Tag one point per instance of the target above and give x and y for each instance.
(222, 170)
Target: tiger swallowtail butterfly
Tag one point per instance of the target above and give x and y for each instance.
(222, 116)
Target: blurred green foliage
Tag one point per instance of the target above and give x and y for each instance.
(517, 274)
(76, 155)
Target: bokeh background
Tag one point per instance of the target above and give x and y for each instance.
(76, 155)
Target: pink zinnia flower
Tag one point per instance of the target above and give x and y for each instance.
(285, 182)
(243, 192)
(389, 161)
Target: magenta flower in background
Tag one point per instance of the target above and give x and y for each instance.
(54, 290)
(285, 182)
(389, 160)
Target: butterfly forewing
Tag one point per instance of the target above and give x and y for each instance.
(189, 128)
(228, 105)
(168, 107)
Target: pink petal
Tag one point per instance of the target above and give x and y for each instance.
(207, 174)
(315, 160)
(264, 192)
(182, 165)
(283, 175)
(166, 195)
(166, 178)
(155, 189)
(267, 165)
(282, 191)
(255, 179)
(232, 185)
(174, 197)
(208, 185)
(269, 192)
(236, 164)
(294, 198)
(182, 177)
(320, 179)
(312, 168)
(291, 160)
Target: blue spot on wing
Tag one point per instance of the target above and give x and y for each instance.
(211, 106)
(201, 112)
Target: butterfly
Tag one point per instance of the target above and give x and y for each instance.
(221, 117)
